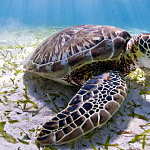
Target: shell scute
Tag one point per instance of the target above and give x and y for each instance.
(74, 47)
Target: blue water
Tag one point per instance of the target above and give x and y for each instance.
(121, 13)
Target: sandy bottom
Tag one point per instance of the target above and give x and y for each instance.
(27, 101)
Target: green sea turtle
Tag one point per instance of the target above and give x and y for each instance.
(97, 58)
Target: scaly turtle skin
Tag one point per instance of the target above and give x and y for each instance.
(96, 58)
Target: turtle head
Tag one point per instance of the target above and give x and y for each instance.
(144, 44)
(140, 46)
(144, 47)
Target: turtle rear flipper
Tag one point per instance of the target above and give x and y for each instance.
(93, 105)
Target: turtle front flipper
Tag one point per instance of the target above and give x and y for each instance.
(93, 105)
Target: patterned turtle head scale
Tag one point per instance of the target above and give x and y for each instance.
(144, 44)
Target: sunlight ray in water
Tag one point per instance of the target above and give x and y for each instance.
(121, 13)
(27, 101)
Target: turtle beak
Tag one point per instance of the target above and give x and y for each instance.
(144, 47)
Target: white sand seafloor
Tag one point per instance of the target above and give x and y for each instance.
(28, 101)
